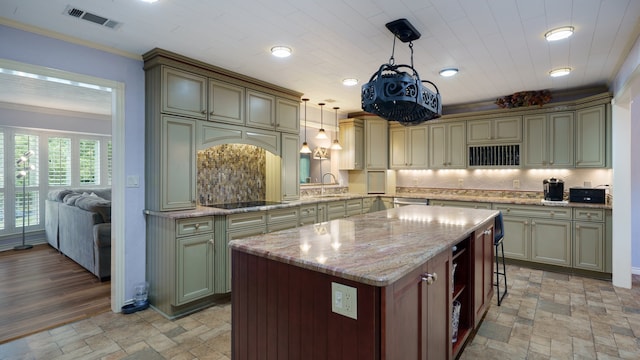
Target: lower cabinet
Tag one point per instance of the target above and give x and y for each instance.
(181, 264)
(551, 241)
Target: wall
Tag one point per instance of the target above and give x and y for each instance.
(231, 173)
(35, 49)
(530, 180)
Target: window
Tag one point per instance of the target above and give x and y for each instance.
(27, 204)
(89, 162)
(59, 161)
(2, 186)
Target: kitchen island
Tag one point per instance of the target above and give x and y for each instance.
(373, 286)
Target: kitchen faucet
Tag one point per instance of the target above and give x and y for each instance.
(322, 181)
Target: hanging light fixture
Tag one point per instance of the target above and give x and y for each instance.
(305, 147)
(336, 144)
(321, 134)
(398, 95)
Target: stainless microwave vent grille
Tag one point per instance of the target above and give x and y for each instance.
(494, 156)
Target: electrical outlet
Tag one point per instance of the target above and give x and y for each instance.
(460, 183)
(415, 181)
(516, 184)
(344, 300)
(587, 183)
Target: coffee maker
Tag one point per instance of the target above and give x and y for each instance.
(553, 189)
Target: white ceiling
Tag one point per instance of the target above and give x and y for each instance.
(498, 45)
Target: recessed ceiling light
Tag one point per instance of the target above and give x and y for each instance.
(559, 33)
(349, 81)
(150, 1)
(448, 72)
(281, 51)
(559, 72)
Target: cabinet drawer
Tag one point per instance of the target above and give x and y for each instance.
(335, 207)
(193, 226)
(283, 215)
(250, 219)
(354, 207)
(367, 204)
(308, 211)
(588, 214)
(547, 212)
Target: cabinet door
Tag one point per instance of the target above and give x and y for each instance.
(290, 167)
(195, 268)
(184, 93)
(535, 141)
(437, 146)
(588, 246)
(287, 116)
(417, 147)
(438, 299)
(352, 141)
(479, 131)
(178, 163)
(507, 129)
(591, 137)
(397, 148)
(233, 235)
(261, 110)
(551, 242)
(483, 271)
(516, 237)
(456, 146)
(226, 102)
(376, 143)
(561, 140)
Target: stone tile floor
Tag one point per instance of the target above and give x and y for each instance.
(545, 316)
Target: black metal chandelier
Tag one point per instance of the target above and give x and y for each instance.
(395, 92)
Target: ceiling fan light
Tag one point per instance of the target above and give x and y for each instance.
(559, 33)
(281, 51)
(448, 72)
(559, 72)
(350, 82)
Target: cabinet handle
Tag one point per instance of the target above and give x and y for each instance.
(203, 112)
(212, 242)
(589, 215)
(429, 278)
(553, 214)
(533, 223)
(577, 227)
(526, 223)
(197, 226)
(212, 113)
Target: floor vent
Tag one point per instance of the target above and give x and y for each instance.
(96, 19)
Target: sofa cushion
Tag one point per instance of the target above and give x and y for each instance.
(59, 194)
(95, 204)
(70, 199)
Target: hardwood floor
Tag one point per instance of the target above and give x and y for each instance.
(41, 289)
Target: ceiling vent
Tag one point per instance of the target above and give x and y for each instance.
(96, 19)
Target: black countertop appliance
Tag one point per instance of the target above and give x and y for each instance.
(553, 189)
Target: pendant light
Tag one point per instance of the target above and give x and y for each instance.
(305, 147)
(321, 134)
(336, 144)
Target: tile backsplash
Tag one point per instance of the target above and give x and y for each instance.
(231, 173)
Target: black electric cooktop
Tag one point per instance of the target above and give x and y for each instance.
(245, 204)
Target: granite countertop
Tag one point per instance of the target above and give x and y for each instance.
(501, 200)
(376, 248)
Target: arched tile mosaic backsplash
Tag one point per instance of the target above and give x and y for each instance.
(231, 173)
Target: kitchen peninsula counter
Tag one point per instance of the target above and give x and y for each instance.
(372, 286)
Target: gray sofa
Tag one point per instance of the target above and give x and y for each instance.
(78, 224)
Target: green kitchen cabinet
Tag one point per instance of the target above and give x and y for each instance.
(195, 267)
(352, 142)
(184, 93)
(287, 116)
(548, 140)
(463, 204)
(447, 146)
(290, 165)
(408, 147)
(226, 102)
(173, 173)
(590, 136)
(517, 240)
(376, 141)
(551, 242)
(261, 110)
(589, 240)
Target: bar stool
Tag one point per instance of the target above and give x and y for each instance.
(498, 237)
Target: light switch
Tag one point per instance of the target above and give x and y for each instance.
(133, 181)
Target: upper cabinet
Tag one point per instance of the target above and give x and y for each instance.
(408, 147)
(184, 93)
(591, 135)
(261, 110)
(376, 140)
(500, 130)
(548, 140)
(447, 146)
(352, 142)
(226, 102)
(287, 116)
